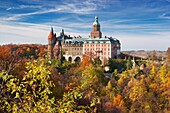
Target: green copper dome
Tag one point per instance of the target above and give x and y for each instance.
(96, 21)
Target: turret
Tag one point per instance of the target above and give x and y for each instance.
(51, 43)
(62, 32)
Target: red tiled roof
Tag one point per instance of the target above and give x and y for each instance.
(51, 35)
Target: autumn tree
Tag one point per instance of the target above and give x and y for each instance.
(8, 59)
(13, 56)
(153, 56)
(84, 96)
(87, 60)
(129, 63)
(31, 93)
(118, 64)
(97, 61)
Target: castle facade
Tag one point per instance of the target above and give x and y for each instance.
(73, 48)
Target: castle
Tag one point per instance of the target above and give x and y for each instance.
(73, 48)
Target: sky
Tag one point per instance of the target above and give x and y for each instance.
(138, 24)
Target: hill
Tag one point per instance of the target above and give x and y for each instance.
(147, 54)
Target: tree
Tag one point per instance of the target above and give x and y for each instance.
(153, 55)
(92, 77)
(82, 97)
(118, 64)
(7, 59)
(76, 101)
(129, 63)
(97, 61)
(31, 93)
(87, 60)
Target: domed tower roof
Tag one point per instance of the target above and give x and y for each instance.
(96, 21)
(96, 29)
(51, 34)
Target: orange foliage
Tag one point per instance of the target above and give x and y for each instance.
(69, 86)
(13, 56)
(117, 100)
(5, 53)
(87, 60)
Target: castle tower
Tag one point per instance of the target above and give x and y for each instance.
(57, 49)
(62, 32)
(51, 43)
(96, 29)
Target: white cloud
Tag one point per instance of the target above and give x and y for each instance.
(23, 33)
(165, 16)
(24, 7)
(18, 16)
(84, 7)
(30, 33)
(144, 42)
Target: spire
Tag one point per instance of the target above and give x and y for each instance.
(62, 32)
(52, 29)
(96, 21)
(51, 34)
(96, 18)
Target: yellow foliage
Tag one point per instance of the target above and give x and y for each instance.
(153, 86)
(153, 70)
(120, 81)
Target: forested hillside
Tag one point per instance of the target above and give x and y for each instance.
(29, 82)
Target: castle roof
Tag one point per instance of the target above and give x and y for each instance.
(51, 34)
(96, 21)
(103, 40)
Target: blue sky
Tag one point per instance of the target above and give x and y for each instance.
(138, 24)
